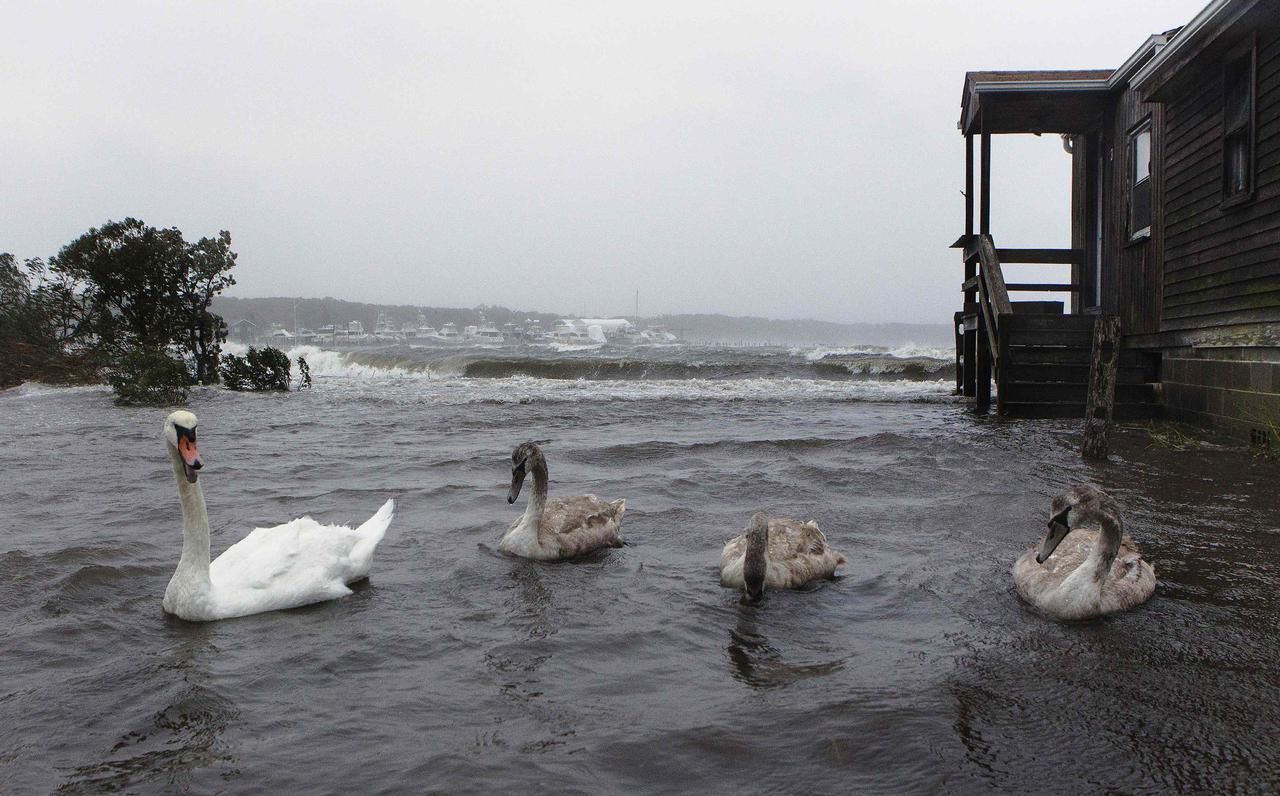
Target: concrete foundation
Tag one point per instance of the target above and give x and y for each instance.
(1233, 390)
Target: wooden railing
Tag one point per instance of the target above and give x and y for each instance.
(993, 294)
(986, 291)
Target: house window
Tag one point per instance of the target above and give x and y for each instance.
(1140, 181)
(1238, 127)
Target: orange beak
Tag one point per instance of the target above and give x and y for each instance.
(190, 457)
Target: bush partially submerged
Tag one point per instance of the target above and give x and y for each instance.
(147, 377)
(263, 369)
(304, 374)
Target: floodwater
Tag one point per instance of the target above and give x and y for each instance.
(457, 668)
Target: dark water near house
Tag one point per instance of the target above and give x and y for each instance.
(460, 669)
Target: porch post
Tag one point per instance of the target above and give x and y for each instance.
(984, 219)
(970, 268)
(1079, 216)
(982, 377)
(970, 359)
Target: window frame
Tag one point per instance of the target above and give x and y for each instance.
(1132, 184)
(1242, 59)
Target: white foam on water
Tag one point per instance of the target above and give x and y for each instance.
(524, 389)
(442, 381)
(904, 351)
(324, 362)
(564, 348)
(37, 389)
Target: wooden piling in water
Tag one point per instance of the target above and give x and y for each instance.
(1102, 386)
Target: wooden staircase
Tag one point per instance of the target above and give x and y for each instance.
(1043, 370)
(1040, 359)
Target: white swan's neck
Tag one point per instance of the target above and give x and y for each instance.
(194, 564)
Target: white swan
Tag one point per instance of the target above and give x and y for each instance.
(558, 528)
(780, 553)
(1095, 572)
(289, 565)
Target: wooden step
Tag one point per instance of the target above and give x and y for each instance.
(1072, 373)
(1070, 338)
(1068, 409)
(1073, 392)
(1031, 322)
(1032, 355)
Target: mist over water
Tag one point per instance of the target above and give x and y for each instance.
(457, 668)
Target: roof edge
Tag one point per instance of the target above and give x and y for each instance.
(1216, 13)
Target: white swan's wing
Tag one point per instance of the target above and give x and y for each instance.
(297, 563)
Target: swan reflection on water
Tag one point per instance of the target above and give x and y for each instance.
(527, 601)
(756, 662)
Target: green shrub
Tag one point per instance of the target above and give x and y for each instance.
(147, 377)
(263, 369)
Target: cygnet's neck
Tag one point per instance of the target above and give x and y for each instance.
(755, 562)
(538, 497)
(1104, 553)
(195, 522)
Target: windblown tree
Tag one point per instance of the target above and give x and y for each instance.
(21, 334)
(208, 273)
(36, 315)
(143, 296)
(132, 278)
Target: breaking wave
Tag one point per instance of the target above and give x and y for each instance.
(600, 373)
(908, 363)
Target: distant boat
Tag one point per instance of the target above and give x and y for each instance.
(485, 334)
(351, 332)
(532, 332)
(658, 334)
(447, 334)
(567, 332)
(384, 329)
(424, 329)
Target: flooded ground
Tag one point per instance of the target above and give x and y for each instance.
(457, 668)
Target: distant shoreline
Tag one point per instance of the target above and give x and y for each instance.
(689, 327)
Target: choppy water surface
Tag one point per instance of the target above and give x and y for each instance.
(460, 669)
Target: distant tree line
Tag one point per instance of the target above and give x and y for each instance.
(126, 301)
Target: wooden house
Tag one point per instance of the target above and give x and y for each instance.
(1175, 229)
(243, 331)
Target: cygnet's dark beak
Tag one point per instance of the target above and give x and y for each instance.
(1058, 530)
(517, 481)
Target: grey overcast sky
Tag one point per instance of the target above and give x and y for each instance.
(788, 159)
